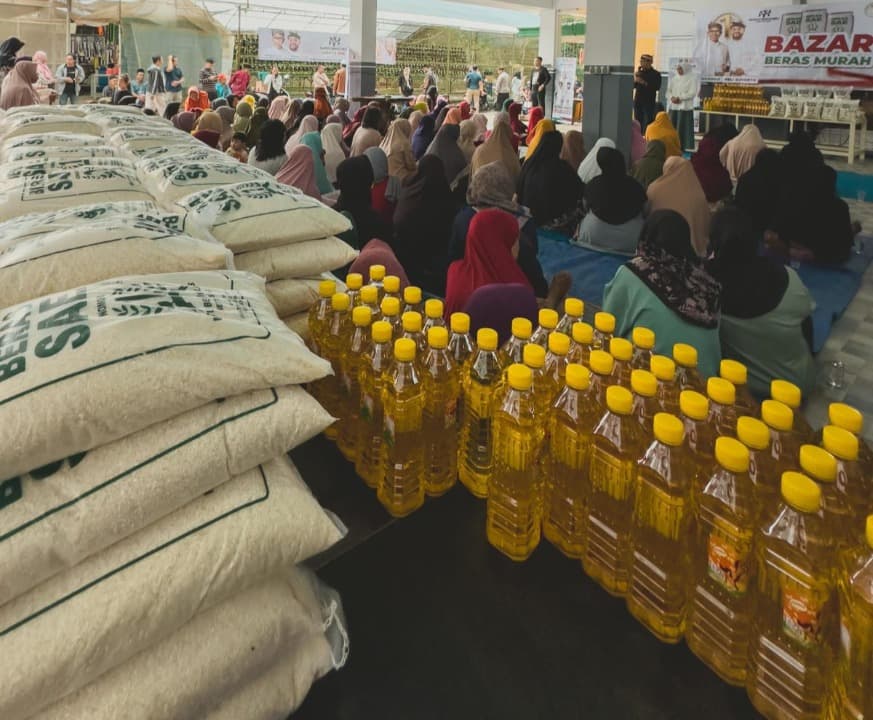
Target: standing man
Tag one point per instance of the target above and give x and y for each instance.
(473, 86)
(339, 81)
(647, 83)
(502, 87)
(70, 76)
(712, 55)
(156, 96)
(320, 79)
(208, 78)
(139, 86)
(539, 82)
(173, 79)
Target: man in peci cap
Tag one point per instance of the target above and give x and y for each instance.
(647, 83)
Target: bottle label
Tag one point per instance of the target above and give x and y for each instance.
(801, 618)
(727, 565)
(611, 475)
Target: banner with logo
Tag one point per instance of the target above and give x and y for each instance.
(794, 44)
(565, 85)
(305, 46)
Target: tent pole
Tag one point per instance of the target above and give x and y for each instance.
(69, 26)
(120, 56)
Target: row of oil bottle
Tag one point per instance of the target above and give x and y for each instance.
(740, 534)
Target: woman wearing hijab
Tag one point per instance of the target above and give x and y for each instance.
(465, 110)
(354, 178)
(469, 130)
(638, 143)
(397, 146)
(573, 149)
(515, 123)
(307, 124)
(381, 204)
(9, 48)
(227, 115)
(298, 171)
(184, 121)
(45, 85)
(342, 112)
(542, 127)
(482, 127)
(368, 134)
(766, 311)
(497, 148)
(17, 89)
(714, 179)
(307, 108)
(196, 100)
(679, 189)
(208, 129)
(172, 110)
(615, 205)
(415, 119)
(452, 117)
(378, 252)
(445, 147)
(423, 137)
(738, 155)
(290, 116)
(313, 142)
(432, 96)
(681, 91)
(269, 152)
(651, 166)
(535, 116)
(259, 117)
(422, 225)
(334, 150)
(279, 108)
(754, 193)
(322, 104)
(662, 129)
(550, 188)
(665, 289)
(588, 168)
(250, 100)
(242, 120)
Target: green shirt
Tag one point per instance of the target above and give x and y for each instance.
(634, 304)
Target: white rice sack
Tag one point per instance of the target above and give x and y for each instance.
(71, 629)
(214, 657)
(171, 181)
(92, 109)
(49, 140)
(180, 153)
(298, 323)
(42, 154)
(67, 110)
(45, 123)
(292, 296)
(72, 257)
(55, 517)
(83, 368)
(304, 259)
(261, 214)
(147, 137)
(44, 166)
(67, 188)
(108, 121)
(140, 147)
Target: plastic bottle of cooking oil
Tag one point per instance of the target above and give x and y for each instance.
(855, 487)
(535, 358)
(601, 364)
(574, 415)
(617, 443)
(377, 278)
(548, 321)
(763, 470)
(644, 343)
(580, 348)
(574, 308)
(391, 286)
(401, 486)
(412, 299)
(796, 613)
(604, 327)
(368, 463)
(664, 370)
(687, 376)
(370, 299)
(513, 516)
(513, 349)
(699, 434)
(848, 418)
(412, 330)
(646, 405)
(331, 392)
(460, 341)
(738, 374)
(319, 314)
(818, 464)
(784, 443)
(556, 361)
(622, 352)
(789, 394)
(479, 381)
(354, 283)
(660, 537)
(433, 315)
(722, 406)
(391, 313)
(441, 383)
(353, 356)
(719, 606)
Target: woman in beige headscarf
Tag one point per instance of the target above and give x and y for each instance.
(18, 85)
(415, 118)
(498, 148)
(738, 154)
(467, 140)
(679, 189)
(573, 149)
(397, 145)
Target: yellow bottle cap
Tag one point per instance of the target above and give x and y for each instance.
(486, 339)
(460, 323)
(354, 281)
(840, 442)
(559, 344)
(643, 338)
(548, 319)
(605, 322)
(732, 455)
(411, 322)
(404, 350)
(619, 400)
(601, 362)
(326, 288)
(522, 328)
(721, 391)
(777, 415)
(870, 531)
(685, 355)
(381, 331)
(786, 392)
(644, 383)
(734, 371)
(390, 306)
(438, 337)
(362, 316)
(663, 368)
(377, 273)
(433, 309)
(693, 405)
(534, 356)
(818, 463)
(583, 333)
(621, 349)
(369, 294)
(574, 307)
(577, 377)
(669, 429)
(391, 283)
(339, 302)
(800, 492)
(412, 295)
(753, 433)
(846, 417)
(520, 377)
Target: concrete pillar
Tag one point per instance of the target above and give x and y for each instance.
(550, 36)
(361, 71)
(609, 67)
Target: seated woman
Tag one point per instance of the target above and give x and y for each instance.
(755, 188)
(368, 134)
(651, 166)
(615, 205)
(269, 154)
(445, 147)
(384, 208)
(534, 117)
(313, 142)
(738, 154)
(208, 129)
(518, 128)
(398, 148)
(542, 127)
(665, 289)
(588, 168)
(498, 148)
(766, 311)
(662, 129)
(422, 137)
(714, 179)
(299, 171)
(638, 143)
(495, 306)
(679, 189)
(378, 252)
(573, 150)
(549, 187)
(354, 178)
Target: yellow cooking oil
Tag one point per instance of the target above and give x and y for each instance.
(513, 516)
(390, 309)
(604, 327)
(556, 361)
(617, 443)
(852, 483)
(460, 341)
(401, 485)
(819, 465)
(722, 406)
(412, 299)
(660, 535)
(574, 308)
(735, 372)
(412, 330)
(644, 347)
(512, 351)
(353, 357)
(790, 395)
(622, 352)
(796, 615)
(368, 463)
(601, 364)
(763, 469)
(319, 314)
(664, 370)
(582, 335)
(720, 600)
(645, 390)
(851, 419)
(548, 321)
(391, 286)
(433, 315)
(377, 278)
(479, 381)
(784, 442)
(699, 435)
(571, 424)
(441, 384)
(370, 300)
(534, 357)
(354, 283)
(331, 392)
(687, 375)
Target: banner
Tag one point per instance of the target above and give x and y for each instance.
(306, 46)
(793, 44)
(565, 85)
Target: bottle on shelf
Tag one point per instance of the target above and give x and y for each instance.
(722, 406)
(574, 308)
(353, 356)
(644, 344)
(391, 313)
(391, 286)
(738, 374)
(763, 471)
(548, 321)
(687, 375)
(441, 385)
(604, 327)
(370, 299)
(646, 405)
(354, 283)
(460, 342)
(433, 315)
(580, 348)
(622, 353)
(319, 314)
(377, 278)
(368, 463)
(790, 395)
(331, 392)
(664, 370)
(412, 299)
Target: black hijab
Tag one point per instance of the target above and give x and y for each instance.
(547, 185)
(271, 142)
(8, 50)
(354, 178)
(441, 116)
(756, 186)
(171, 110)
(307, 108)
(614, 196)
(445, 147)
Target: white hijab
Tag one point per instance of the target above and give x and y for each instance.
(588, 168)
(332, 143)
(307, 125)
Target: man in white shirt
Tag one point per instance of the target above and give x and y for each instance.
(502, 87)
(320, 78)
(744, 59)
(712, 55)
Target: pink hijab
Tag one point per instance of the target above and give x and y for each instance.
(739, 154)
(18, 86)
(299, 171)
(378, 252)
(279, 107)
(638, 143)
(42, 68)
(679, 189)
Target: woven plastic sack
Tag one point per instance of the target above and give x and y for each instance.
(44, 166)
(292, 296)
(179, 153)
(45, 123)
(47, 140)
(40, 154)
(298, 323)
(300, 260)
(170, 181)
